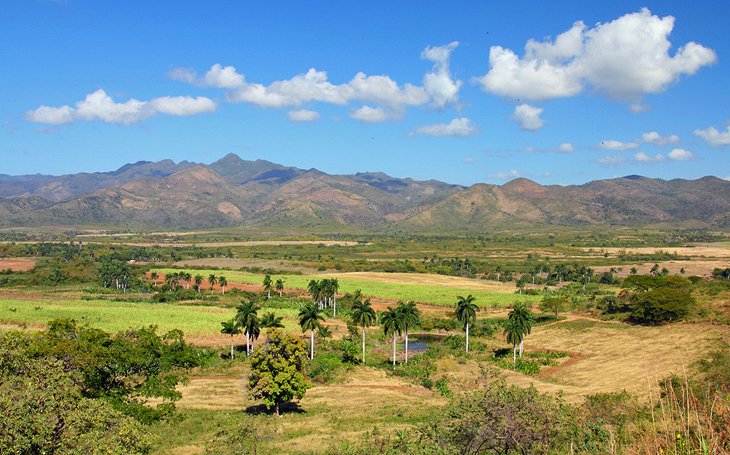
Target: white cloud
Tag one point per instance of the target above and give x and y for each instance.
(528, 117)
(639, 107)
(511, 174)
(469, 160)
(223, 77)
(714, 137)
(566, 148)
(623, 59)
(457, 127)
(653, 137)
(617, 145)
(302, 115)
(439, 84)
(611, 160)
(186, 75)
(369, 114)
(642, 157)
(100, 106)
(680, 155)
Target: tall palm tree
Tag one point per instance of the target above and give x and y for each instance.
(154, 277)
(279, 286)
(392, 323)
(315, 290)
(172, 279)
(310, 319)
(223, 282)
(271, 321)
(522, 318)
(231, 328)
(466, 312)
(364, 316)
(212, 279)
(513, 333)
(185, 276)
(334, 287)
(411, 317)
(267, 286)
(198, 280)
(247, 318)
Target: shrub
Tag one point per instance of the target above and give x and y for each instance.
(662, 305)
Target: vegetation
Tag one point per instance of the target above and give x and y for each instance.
(466, 312)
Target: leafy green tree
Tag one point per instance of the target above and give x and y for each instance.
(410, 317)
(553, 305)
(212, 280)
(522, 317)
(633, 271)
(231, 328)
(310, 318)
(466, 313)
(279, 286)
(267, 286)
(392, 324)
(115, 274)
(247, 319)
(364, 316)
(277, 370)
(661, 305)
(223, 282)
(513, 334)
(271, 321)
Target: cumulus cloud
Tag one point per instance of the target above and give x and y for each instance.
(369, 114)
(680, 154)
(100, 106)
(566, 148)
(439, 84)
(653, 137)
(714, 137)
(457, 127)
(624, 59)
(528, 117)
(617, 145)
(511, 174)
(302, 115)
(611, 160)
(642, 157)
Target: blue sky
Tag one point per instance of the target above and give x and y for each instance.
(559, 92)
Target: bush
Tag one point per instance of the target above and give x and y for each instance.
(324, 367)
(662, 305)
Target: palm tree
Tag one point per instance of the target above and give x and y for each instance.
(198, 280)
(392, 324)
(212, 279)
(154, 277)
(267, 286)
(246, 316)
(185, 276)
(310, 319)
(334, 287)
(271, 321)
(315, 290)
(410, 317)
(279, 286)
(231, 328)
(514, 335)
(466, 312)
(223, 282)
(522, 318)
(364, 316)
(172, 279)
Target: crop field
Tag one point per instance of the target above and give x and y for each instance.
(432, 290)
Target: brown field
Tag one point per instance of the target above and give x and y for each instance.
(429, 279)
(230, 263)
(17, 265)
(693, 267)
(705, 250)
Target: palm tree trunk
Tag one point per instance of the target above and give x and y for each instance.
(334, 305)
(247, 343)
(311, 351)
(467, 337)
(363, 344)
(231, 347)
(514, 353)
(406, 344)
(521, 348)
(393, 349)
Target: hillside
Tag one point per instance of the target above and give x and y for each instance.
(236, 192)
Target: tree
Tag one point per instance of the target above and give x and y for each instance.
(364, 316)
(654, 270)
(247, 319)
(271, 321)
(392, 324)
(661, 305)
(212, 280)
(466, 313)
(521, 283)
(553, 305)
(198, 280)
(231, 328)
(223, 283)
(513, 333)
(154, 277)
(315, 290)
(410, 317)
(310, 319)
(522, 317)
(277, 370)
(279, 286)
(267, 286)
(334, 286)
(633, 271)
(185, 276)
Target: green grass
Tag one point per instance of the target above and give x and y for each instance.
(434, 295)
(115, 316)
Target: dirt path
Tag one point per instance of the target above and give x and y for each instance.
(17, 264)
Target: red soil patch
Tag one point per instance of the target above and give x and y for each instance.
(17, 265)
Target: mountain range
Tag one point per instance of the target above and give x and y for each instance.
(237, 192)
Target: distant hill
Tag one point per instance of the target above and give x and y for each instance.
(236, 192)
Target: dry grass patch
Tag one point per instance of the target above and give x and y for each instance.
(17, 265)
(429, 279)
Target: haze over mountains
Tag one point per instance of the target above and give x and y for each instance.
(236, 192)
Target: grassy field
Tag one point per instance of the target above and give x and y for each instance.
(376, 286)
